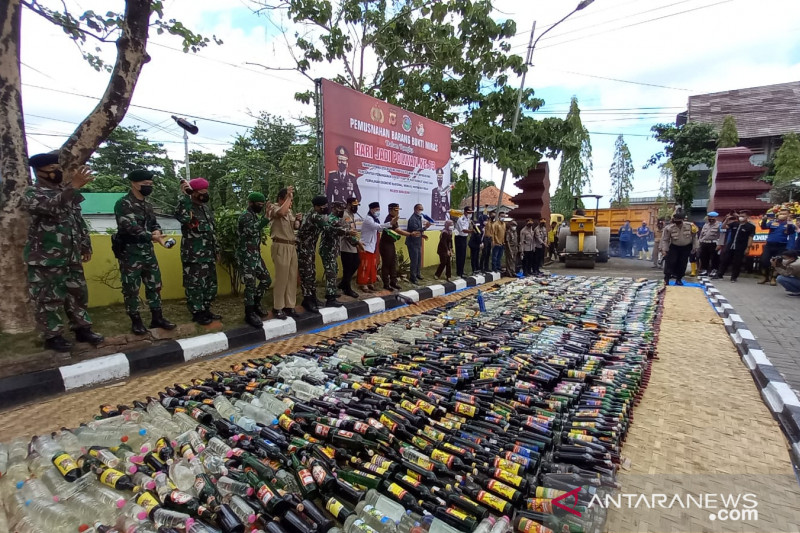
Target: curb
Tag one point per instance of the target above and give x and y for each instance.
(15, 390)
(780, 399)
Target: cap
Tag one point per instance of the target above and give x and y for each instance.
(394, 206)
(198, 184)
(140, 174)
(679, 215)
(319, 201)
(713, 214)
(341, 150)
(374, 205)
(42, 160)
(468, 209)
(339, 203)
(256, 197)
(352, 200)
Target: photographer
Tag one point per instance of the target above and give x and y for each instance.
(779, 231)
(788, 268)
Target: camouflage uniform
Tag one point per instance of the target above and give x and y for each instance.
(198, 253)
(136, 222)
(313, 224)
(255, 275)
(329, 247)
(57, 238)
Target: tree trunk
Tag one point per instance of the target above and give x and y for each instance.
(15, 312)
(111, 109)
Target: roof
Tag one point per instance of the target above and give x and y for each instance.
(100, 203)
(767, 111)
(489, 196)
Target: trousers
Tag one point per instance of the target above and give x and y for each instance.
(415, 257)
(486, 254)
(733, 259)
(790, 283)
(133, 274)
(538, 259)
(475, 258)
(676, 260)
(444, 265)
(709, 258)
(284, 293)
(527, 262)
(388, 263)
(54, 288)
(200, 285)
(350, 262)
(497, 257)
(461, 254)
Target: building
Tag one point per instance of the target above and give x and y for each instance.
(98, 211)
(488, 198)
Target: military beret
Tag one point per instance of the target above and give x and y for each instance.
(198, 184)
(42, 160)
(140, 175)
(319, 201)
(374, 205)
(256, 197)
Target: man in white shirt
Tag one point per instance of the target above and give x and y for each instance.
(368, 267)
(462, 231)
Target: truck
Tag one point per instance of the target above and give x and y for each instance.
(615, 217)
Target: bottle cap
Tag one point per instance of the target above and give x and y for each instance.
(120, 503)
(82, 528)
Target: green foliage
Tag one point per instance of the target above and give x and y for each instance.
(787, 161)
(576, 163)
(621, 174)
(447, 60)
(125, 150)
(461, 189)
(685, 146)
(226, 222)
(728, 136)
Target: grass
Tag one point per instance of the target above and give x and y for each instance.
(112, 320)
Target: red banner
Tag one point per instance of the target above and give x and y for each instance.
(378, 152)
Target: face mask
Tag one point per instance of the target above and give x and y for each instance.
(377, 213)
(782, 217)
(203, 198)
(678, 222)
(529, 224)
(712, 220)
(339, 213)
(742, 219)
(342, 167)
(325, 210)
(54, 176)
(146, 190)
(354, 209)
(257, 208)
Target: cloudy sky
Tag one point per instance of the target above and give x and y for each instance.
(630, 63)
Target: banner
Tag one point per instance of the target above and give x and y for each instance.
(378, 152)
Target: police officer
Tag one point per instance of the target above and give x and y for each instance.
(387, 249)
(709, 241)
(253, 271)
(342, 184)
(58, 244)
(677, 243)
(313, 223)
(350, 247)
(329, 251)
(199, 250)
(137, 230)
(440, 198)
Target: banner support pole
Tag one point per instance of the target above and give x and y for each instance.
(320, 136)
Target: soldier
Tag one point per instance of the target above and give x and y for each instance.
(678, 241)
(313, 223)
(329, 251)
(58, 242)
(253, 271)
(137, 230)
(198, 250)
(342, 184)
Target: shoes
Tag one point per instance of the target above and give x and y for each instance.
(260, 312)
(718, 277)
(310, 304)
(395, 286)
(763, 282)
(351, 293)
(159, 321)
(87, 335)
(290, 312)
(436, 276)
(57, 343)
(773, 282)
(732, 280)
(280, 314)
(679, 282)
(420, 278)
(447, 280)
(251, 316)
(137, 326)
(202, 318)
(333, 302)
(793, 294)
(702, 273)
(372, 287)
(213, 316)
(713, 273)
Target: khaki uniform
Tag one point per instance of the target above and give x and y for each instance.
(677, 243)
(658, 233)
(284, 256)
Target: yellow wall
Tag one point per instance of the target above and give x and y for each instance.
(102, 272)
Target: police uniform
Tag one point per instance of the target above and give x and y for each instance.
(677, 244)
(342, 185)
(709, 240)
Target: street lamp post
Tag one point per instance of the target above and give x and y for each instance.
(531, 47)
(188, 128)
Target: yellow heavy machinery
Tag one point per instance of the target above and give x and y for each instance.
(582, 243)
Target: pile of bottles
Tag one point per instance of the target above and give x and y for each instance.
(452, 421)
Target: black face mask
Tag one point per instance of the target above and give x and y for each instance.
(202, 198)
(257, 208)
(354, 209)
(678, 222)
(53, 176)
(339, 213)
(325, 210)
(146, 190)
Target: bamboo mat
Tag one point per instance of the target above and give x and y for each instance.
(702, 426)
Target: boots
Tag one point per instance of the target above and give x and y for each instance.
(137, 326)
(333, 302)
(159, 321)
(251, 316)
(694, 270)
(202, 318)
(641, 255)
(310, 304)
(260, 312)
(87, 335)
(57, 343)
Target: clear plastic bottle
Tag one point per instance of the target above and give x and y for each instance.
(156, 410)
(163, 485)
(353, 524)
(105, 495)
(260, 415)
(202, 527)
(27, 525)
(437, 526)
(408, 522)
(503, 525)
(226, 485)
(242, 509)
(374, 518)
(168, 518)
(224, 407)
(35, 489)
(218, 447)
(182, 475)
(52, 515)
(17, 469)
(184, 422)
(192, 439)
(390, 508)
(306, 391)
(213, 463)
(126, 524)
(68, 441)
(60, 487)
(143, 480)
(485, 525)
(287, 481)
(89, 509)
(3, 459)
(134, 511)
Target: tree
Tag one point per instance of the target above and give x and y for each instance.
(576, 163)
(685, 146)
(129, 32)
(461, 188)
(126, 150)
(665, 189)
(621, 174)
(787, 161)
(447, 60)
(728, 136)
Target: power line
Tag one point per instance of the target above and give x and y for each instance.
(620, 80)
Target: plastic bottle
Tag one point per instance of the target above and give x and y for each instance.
(64, 462)
(3, 459)
(437, 526)
(35, 489)
(51, 515)
(17, 469)
(68, 441)
(182, 475)
(389, 507)
(503, 525)
(353, 524)
(242, 509)
(486, 525)
(373, 517)
(225, 407)
(226, 485)
(218, 447)
(62, 488)
(169, 518)
(306, 391)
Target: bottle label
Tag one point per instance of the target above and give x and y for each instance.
(435, 433)
(501, 488)
(425, 406)
(321, 430)
(507, 477)
(372, 511)
(409, 380)
(508, 466)
(465, 409)
(408, 406)
(305, 477)
(146, 500)
(383, 392)
(319, 474)
(540, 505)
(363, 526)
(527, 525)
(388, 422)
(456, 449)
(64, 463)
(413, 475)
(329, 452)
(345, 434)
(411, 481)
(377, 380)
(360, 427)
(286, 423)
(179, 497)
(492, 501)
(334, 507)
(419, 442)
(442, 457)
(264, 494)
(397, 490)
(111, 477)
(544, 492)
(458, 513)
